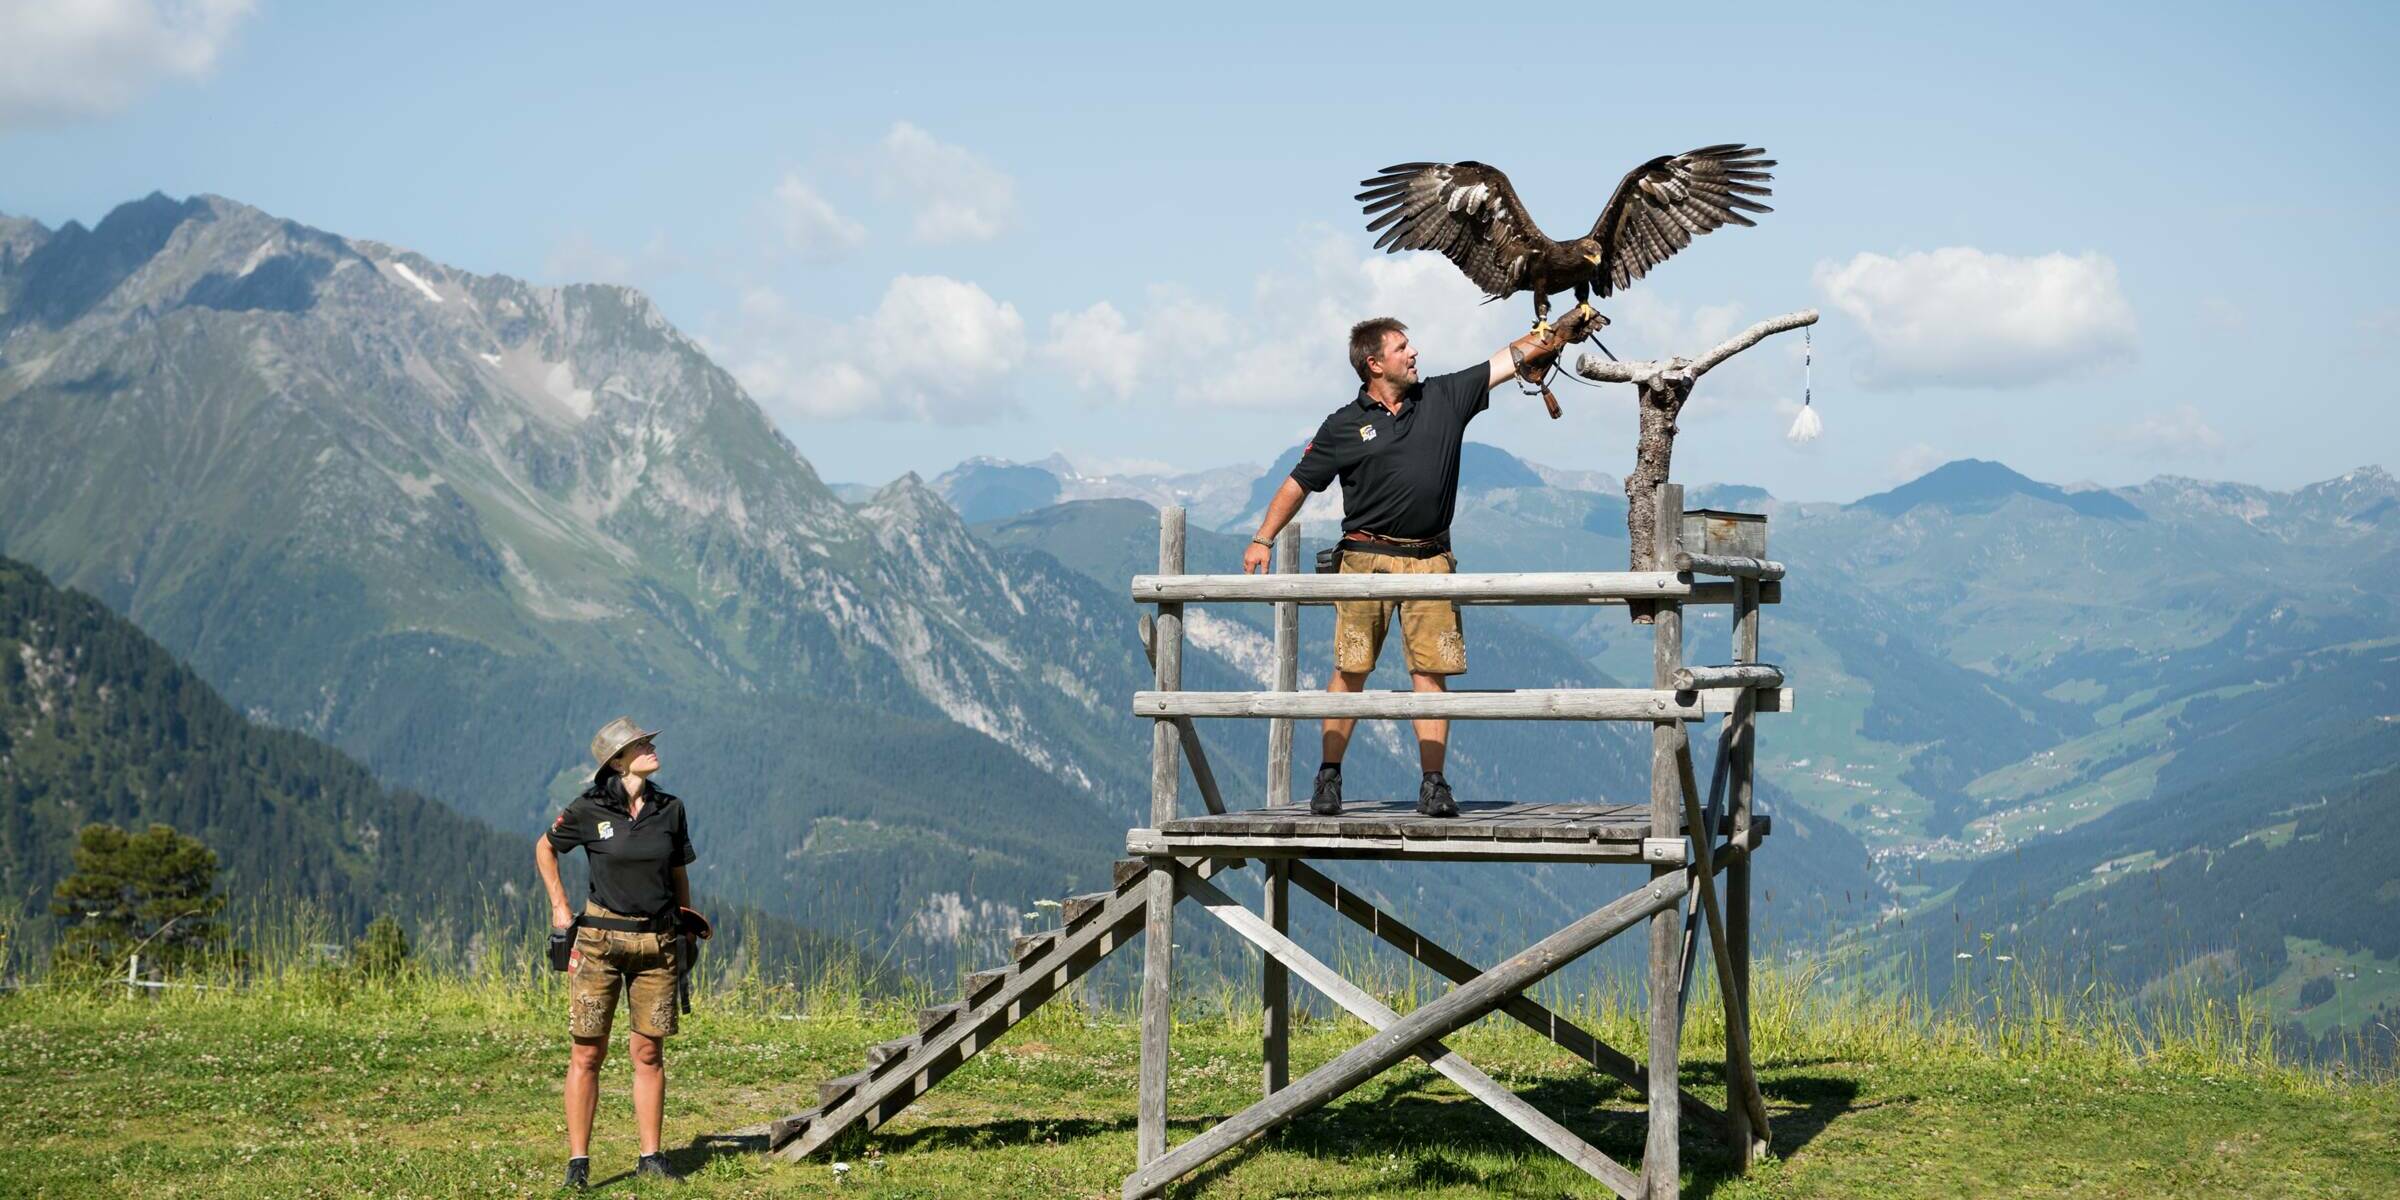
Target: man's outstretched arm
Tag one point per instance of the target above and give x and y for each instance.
(1541, 349)
(1259, 557)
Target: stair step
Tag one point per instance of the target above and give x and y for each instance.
(1033, 944)
(1126, 870)
(982, 984)
(931, 1020)
(786, 1128)
(1078, 909)
(834, 1091)
(887, 1053)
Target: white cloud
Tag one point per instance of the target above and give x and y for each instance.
(1964, 318)
(62, 60)
(2177, 435)
(1097, 349)
(810, 223)
(958, 196)
(935, 348)
(1290, 347)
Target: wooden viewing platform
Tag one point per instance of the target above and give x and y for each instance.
(1718, 558)
(1680, 889)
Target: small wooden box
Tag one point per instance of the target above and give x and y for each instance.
(1729, 534)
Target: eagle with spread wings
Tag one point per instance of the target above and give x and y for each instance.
(1468, 211)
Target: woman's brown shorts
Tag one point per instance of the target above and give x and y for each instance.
(642, 965)
(1428, 628)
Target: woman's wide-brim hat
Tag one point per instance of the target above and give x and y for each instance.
(615, 736)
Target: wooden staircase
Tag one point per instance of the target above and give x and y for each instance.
(1092, 926)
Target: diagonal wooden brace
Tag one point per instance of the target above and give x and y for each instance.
(1742, 1074)
(1358, 1003)
(1528, 1011)
(1462, 1006)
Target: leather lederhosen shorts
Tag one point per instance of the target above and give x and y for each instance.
(607, 963)
(1429, 629)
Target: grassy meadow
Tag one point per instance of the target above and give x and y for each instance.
(304, 1079)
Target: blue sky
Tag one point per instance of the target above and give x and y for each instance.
(2094, 244)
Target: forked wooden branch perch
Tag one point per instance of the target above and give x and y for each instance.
(1665, 385)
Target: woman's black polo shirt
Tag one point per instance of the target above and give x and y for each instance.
(633, 859)
(1399, 471)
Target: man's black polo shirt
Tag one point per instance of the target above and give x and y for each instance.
(1399, 471)
(633, 859)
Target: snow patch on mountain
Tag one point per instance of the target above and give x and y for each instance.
(401, 269)
(1243, 648)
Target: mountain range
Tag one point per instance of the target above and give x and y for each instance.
(451, 522)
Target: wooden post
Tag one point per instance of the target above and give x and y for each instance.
(1275, 981)
(1158, 931)
(1737, 873)
(1661, 1158)
(1287, 671)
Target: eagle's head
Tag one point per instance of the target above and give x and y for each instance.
(1587, 249)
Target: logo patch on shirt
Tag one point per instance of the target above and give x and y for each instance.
(1366, 433)
(607, 831)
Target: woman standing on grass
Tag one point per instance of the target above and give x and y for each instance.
(636, 842)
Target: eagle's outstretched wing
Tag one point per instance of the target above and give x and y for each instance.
(1661, 205)
(1466, 210)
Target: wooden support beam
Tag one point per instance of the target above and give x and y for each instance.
(1275, 984)
(1158, 932)
(1739, 675)
(1704, 591)
(1735, 757)
(1525, 1009)
(1661, 703)
(1462, 1006)
(1722, 564)
(1442, 1059)
(1661, 1150)
(1562, 587)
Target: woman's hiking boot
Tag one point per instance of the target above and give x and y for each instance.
(1326, 800)
(579, 1174)
(1433, 796)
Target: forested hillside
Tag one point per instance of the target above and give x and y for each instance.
(98, 723)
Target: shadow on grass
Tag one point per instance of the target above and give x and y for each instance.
(1409, 1113)
(1407, 1116)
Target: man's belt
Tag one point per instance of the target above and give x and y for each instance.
(1376, 543)
(662, 923)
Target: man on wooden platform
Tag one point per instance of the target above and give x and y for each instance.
(1396, 449)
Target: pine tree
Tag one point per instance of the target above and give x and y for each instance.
(155, 891)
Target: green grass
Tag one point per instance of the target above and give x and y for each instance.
(309, 1083)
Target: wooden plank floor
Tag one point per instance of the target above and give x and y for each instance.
(1486, 819)
(1484, 831)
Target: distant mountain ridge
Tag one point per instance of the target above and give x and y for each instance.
(1975, 485)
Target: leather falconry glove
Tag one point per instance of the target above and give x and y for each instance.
(1535, 353)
